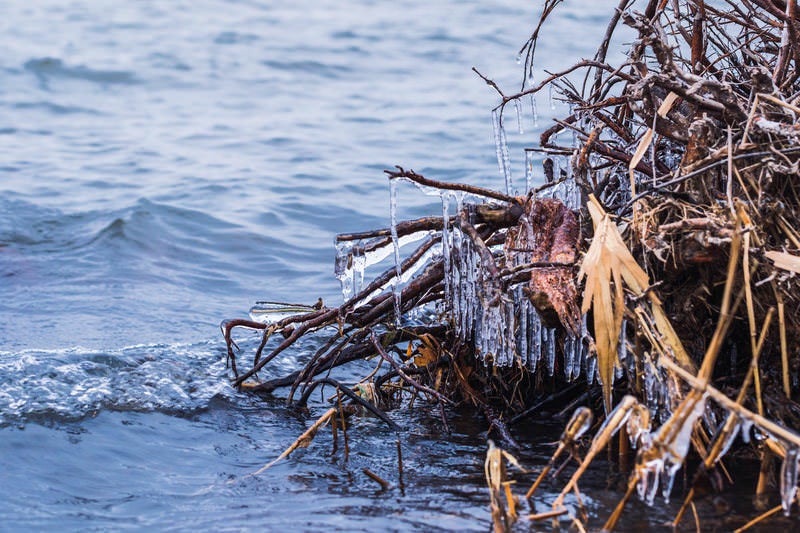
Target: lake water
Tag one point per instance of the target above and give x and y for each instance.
(165, 165)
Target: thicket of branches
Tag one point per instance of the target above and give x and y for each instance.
(654, 280)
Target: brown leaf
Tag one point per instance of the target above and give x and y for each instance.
(548, 232)
(428, 352)
(606, 266)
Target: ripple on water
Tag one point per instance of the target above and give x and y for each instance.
(47, 68)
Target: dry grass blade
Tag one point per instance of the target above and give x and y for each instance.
(702, 386)
(759, 518)
(502, 502)
(376, 478)
(578, 425)
(604, 266)
(613, 422)
(608, 263)
(302, 441)
(787, 390)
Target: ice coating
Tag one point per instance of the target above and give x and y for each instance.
(679, 446)
(638, 424)
(272, 312)
(789, 478)
(578, 424)
(660, 458)
(353, 258)
(730, 436)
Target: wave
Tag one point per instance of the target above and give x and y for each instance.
(145, 241)
(144, 273)
(68, 384)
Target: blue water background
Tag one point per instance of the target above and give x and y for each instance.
(166, 164)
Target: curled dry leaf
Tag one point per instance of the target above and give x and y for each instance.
(608, 265)
(428, 351)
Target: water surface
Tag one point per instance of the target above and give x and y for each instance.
(165, 165)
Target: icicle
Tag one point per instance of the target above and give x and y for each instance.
(789, 478)
(591, 370)
(518, 109)
(359, 265)
(573, 352)
(522, 304)
(455, 281)
(508, 332)
(747, 425)
(622, 348)
(679, 446)
(583, 349)
(550, 345)
(574, 132)
(550, 97)
(506, 160)
(648, 483)
(529, 162)
(501, 149)
(343, 268)
(446, 246)
(651, 385)
(396, 243)
(569, 357)
(729, 438)
(534, 112)
(535, 339)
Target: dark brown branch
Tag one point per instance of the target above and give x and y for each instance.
(489, 82)
(471, 189)
(406, 227)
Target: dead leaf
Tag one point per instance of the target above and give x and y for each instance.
(784, 261)
(428, 352)
(548, 232)
(607, 264)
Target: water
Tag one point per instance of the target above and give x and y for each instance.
(167, 165)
